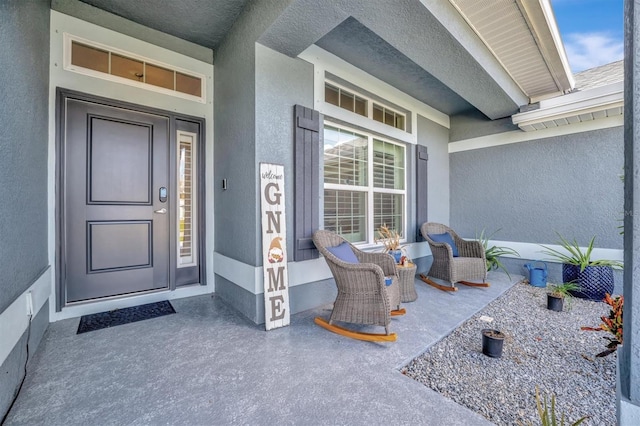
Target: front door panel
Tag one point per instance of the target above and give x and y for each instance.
(116, 223)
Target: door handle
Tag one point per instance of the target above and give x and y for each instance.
(161, 211)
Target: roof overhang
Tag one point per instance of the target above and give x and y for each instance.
(601, 102)
(524, 38)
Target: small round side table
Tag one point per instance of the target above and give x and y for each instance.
(406, 276)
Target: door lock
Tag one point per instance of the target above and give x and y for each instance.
(162, 194)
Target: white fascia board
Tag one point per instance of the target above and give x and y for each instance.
(573, 104)
(552, 25)
(325, 61)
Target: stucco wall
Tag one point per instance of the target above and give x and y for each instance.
(473, 124)
(24, 61)
(530, 190)
(436, 138)
(281, 83)
(237, 207)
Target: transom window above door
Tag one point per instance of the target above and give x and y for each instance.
(364, 184)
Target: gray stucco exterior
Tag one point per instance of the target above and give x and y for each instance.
(529, 190)
(23, 169)
(23, 145)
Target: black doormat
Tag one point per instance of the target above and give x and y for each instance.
(124, 316)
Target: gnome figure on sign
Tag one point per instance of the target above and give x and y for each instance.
(275, 254)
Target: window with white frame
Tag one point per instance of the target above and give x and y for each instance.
(364, 183)
(338, 96)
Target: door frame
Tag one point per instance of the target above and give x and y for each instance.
(62, 95)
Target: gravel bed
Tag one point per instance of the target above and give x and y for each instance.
(542, 348)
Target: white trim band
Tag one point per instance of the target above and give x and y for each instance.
(517, 136)
(14, 321)
(534, 251)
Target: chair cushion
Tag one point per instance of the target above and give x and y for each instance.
(344, 253)
(445, 238)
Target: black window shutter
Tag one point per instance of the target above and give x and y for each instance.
(421, 188)
(308, 125)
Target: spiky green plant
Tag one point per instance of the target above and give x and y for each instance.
(493, 253)
(576, 256)
(564, 291)
(548, 415)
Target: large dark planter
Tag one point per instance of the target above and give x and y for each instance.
(594, 281)
(555, 303)
(492, 341)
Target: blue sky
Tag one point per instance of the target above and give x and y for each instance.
(591, 30)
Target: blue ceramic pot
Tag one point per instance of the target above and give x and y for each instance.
(594, 281)
(397, 255)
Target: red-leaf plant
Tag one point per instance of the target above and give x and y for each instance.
(612, 324)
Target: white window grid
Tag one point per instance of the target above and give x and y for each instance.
(370, 103)
(69, 38)
(369, 189)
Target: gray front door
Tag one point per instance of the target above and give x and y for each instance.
(116, 212)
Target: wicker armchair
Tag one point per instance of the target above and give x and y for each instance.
(469, 265)
(363, 297)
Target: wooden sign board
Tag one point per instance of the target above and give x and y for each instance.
(274, 246)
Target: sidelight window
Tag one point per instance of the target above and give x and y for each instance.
(187, 235)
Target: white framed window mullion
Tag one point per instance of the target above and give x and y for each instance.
(370, 231)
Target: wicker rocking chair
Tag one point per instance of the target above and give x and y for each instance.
(468, 263)
(363, 296)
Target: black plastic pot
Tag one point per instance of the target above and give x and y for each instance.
(492, 342)
(554, 303)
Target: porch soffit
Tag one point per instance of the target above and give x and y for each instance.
(203, 22)
(523, 36)
(410, 46)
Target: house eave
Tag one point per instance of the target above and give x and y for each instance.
(602, 102)
(523, 36)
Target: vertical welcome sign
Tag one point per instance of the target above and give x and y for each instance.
(274, 246)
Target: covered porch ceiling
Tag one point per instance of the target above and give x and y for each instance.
(457, 56)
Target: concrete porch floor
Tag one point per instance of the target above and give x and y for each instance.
(208, 365)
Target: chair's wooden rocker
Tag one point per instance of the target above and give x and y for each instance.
(363, 295)
(454, 260)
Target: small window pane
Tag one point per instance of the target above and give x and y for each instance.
(361, 106)
(89, 57)
(388, 165)
(346, 100)
(157, 76)
(188, 84)
(389, 118)
(345, 213)
(378, 113)
(331, 95)
(345, 157)
(400, 122)
(387, 210)
(127, 67)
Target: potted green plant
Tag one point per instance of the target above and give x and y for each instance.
(612, 324)
(493, 253)
(558, 293)
(594, 277)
